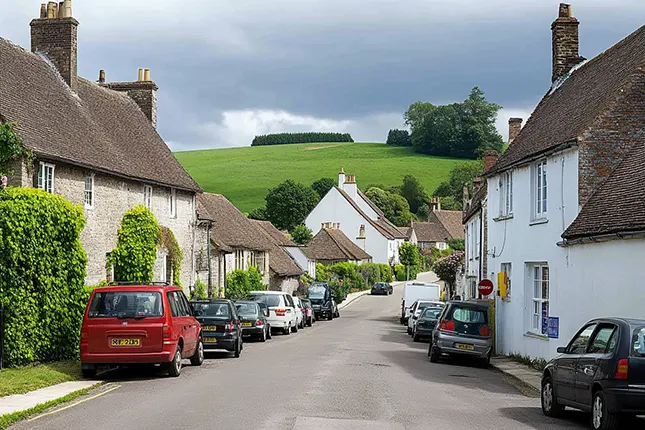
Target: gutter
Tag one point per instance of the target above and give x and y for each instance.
(562, 147)
(602, 238)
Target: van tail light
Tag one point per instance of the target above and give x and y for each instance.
(447, 325)
(280, 312)
(484, 331)
(622, 369)
(165, 332)
(83, 336)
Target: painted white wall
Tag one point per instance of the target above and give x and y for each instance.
(515, 240)
(305, 264)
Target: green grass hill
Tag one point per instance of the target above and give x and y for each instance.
(244, 175)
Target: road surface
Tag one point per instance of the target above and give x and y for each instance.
(358, 372)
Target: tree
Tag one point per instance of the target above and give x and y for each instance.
(255, 279)
(447, 268)
(301, 234)
(238, 285)
(323, 185)
(460, 175)
(409, 256)
(413, 192)
(424, 212)
(457, 244)
(258, 213)
(288, 204)
(394, 207)
(399, 138)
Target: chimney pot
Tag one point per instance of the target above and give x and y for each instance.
(50, 10)
(61, 10)
(140, 78)
(146, 75)
(101, 76)
(514, 127)
(341, 178)
(490, 158)
(43, 11)
(566, 11)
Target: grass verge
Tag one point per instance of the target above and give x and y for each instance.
(12, 418)
(29, 378)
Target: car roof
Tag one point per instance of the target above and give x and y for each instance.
(212, 301)
(618, 320)
(245, 302)
(268, 292)
(135, 288)
(474, 303)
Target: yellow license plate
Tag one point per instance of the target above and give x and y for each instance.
(125, 342)
(247, 324)
(210, 340)
(209, 328)
(465, 346)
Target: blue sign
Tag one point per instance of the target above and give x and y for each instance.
(545, 317)
(553, 327)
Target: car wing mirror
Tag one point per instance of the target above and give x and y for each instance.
(197, 313)
(562, 350)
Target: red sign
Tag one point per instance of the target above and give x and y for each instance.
(485, 287)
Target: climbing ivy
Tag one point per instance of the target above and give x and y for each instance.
(11, 148)
(168, 241)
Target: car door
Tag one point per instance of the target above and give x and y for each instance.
(178, 319)
(565, 374)
(600, 350)
(291, 309)
(191, 327)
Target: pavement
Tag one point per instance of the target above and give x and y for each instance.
(523, 373)
(358, 371)
(21, 402)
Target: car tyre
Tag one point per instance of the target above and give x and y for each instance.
(269, 334)
(550, 406)
(434, 354)
(263, 336)
(415, 337)
(238, 348)
(310, 322)
(198, 357)
(174, 367)
(294, 329)
(89, 373)
(287, 331)
(409, 330)
(601, 418)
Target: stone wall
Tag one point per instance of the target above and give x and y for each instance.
(58, 39)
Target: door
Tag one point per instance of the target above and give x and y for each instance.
(192, 334)
(565, 375)
(600, 350)
(179, 322)
(291, 310)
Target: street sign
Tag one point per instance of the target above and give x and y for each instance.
(485, 287)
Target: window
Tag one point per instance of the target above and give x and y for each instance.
(506, 194)
(601, 341)
(168, 269)
(239, 259)
(172, 203)
(540, 305)
(638, 342)
(46, 177)
(540, 190)
(184, 304)
(506, 270)
(147, 196)
(89, 190)
(131, 303)
(175, 306)
(259, 261)
(579, 344)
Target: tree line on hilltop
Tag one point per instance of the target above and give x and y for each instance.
(294, 138)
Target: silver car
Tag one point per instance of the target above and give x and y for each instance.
(462, 330)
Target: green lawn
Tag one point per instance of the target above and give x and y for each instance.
(244, 175)
(24, 379)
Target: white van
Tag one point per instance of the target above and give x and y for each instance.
(416, 290)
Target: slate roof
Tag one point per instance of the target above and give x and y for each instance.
(451, 221)
(441, 226)
(430, 232)
(332, 244)
(97, 128)
(477, 198)
(230, 228)
(562, 116)
(382, 224)
(280, 262)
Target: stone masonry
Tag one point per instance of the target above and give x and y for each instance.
(57, 38)
(565, 42)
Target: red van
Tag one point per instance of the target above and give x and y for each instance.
(139, 324)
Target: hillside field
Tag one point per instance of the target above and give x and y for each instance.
(244, 175)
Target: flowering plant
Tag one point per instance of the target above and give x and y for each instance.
(446, 268)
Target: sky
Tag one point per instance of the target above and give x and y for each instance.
(228, 70)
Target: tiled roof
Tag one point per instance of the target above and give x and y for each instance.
(477, 198)
(562, 116)
(332, 244)
(280, 262)
(430, 232)
(382, 224)
(230, 227)
(440, 227)
(451, 221)
(279, 237)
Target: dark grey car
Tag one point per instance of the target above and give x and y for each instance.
(426, 323)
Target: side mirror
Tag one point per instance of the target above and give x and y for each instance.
(561, 350)
(197, 313)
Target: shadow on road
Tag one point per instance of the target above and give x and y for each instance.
(531, 416)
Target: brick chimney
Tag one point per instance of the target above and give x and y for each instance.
(490, 158)
(565, 42)
(350, 187)
(55, 34)
(143, 91)
(514, 127)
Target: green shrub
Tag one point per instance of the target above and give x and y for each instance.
(371, 272)
(169, 242)
(400, 272)
(386, 272)
(399, 138)
(287, 138)
(42, 274)
(339, 290)
(255, 279)
(322, 274)
(199, 293)
(238, 285)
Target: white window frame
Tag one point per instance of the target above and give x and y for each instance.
(506, 194)
(43, 183)
(172, 203)
(539, 285)
(147, 196)
(239, 259)
(88, 194)
(540, 190)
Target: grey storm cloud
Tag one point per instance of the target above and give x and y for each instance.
(228, 69)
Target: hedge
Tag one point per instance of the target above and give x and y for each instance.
(344, 277)
(42, 273)
(292, 138)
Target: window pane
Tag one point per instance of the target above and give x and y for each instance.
(600, 342)
(638, 342)
(545, 283)
(579, 344)
(536, 322)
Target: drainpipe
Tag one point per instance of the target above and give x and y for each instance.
(481, 243)
(208, 259)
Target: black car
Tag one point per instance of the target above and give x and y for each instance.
(308, 317)
(319, 293)
(602, 371)
(426, 323)
(220, 323)
(381, 288)
(265, 311)
(253, 320)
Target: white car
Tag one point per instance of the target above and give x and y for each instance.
(417, 308)
(300, 317)
(283, 313)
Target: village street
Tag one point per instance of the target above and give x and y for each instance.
(359, 371)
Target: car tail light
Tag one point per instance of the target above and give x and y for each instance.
(83, 335)
(484, 331)
(280, 312)
(622, 369)
(165, 332)
(258, 322)
(228, 327)
(447, 325)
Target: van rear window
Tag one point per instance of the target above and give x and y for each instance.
(638, 342)
(126, 304)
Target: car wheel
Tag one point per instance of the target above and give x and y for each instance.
(294, 329)
(263, 336)
(434, 354)
(89, 373)
(409, 330)
(198, 357)
(415, 337)
(269, 334)
(601, 418)
(174, 367)
(287, 331)
(310, 322)
(238, 348)
(550, 405)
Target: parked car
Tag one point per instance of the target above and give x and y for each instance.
(416, 309)
(253, 320)
(335, 313)
(310, 318)
(300, 312)
(139, 324)
(425, 324)
(381, 288)
(601, 371)
(266, 313)
(320, 295)
(221, 325)
(463, 330)
(282, 310)
(415, 290)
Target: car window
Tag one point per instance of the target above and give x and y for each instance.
(289, 301)
(431, 313)
(175, 308)
(579, 344)
(601, 339)
(271, 300)
(184, 304)
(638, 342)
(466, 315)
(246, 309)
(213, 310)
(131, 303)
(316, 291)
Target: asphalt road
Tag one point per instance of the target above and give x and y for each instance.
(358, 372)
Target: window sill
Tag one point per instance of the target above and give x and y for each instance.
(536, 336)
(539, 221)
(503, 217)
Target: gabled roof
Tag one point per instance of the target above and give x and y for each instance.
(440, 227)
(563, 115)
(97, 128)
(476, 201)
(332, 244)
(430, 232)
(230, 228)
(382, 224)
(451, 221)
(280, 262)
